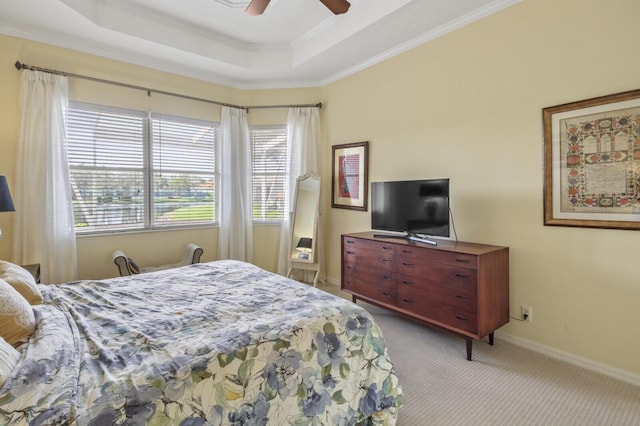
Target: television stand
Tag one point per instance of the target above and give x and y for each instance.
(413, 237)
(397, 237)
(422, 240)
(456, 286)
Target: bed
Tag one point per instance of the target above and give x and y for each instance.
(218, 343)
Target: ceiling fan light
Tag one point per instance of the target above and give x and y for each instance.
(338, 7)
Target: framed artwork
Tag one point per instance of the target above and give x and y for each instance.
(592, 162)
(349, 176)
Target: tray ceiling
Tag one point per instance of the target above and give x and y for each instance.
(296, 43)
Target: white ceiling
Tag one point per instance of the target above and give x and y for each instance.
(296, 43)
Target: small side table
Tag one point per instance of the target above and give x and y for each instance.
(305, 266)
(34, 269)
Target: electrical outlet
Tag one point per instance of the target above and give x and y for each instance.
(526, 313)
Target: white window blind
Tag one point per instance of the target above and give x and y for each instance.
(126, 164)
(106, 162)
(183, 171)
(269, 156)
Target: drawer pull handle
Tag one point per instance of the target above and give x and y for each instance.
(462, 318)
(459, 275)
(387, 248)
(350, 241)
(407, 300)
(387, 294)
(351, 268)
(387, 260)
(462, 260)
(459, 296)
(351, 252)
(386, 277)
(405, 282)
(407, 264)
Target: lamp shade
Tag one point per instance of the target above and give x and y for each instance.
(6, 203)
(304, 244)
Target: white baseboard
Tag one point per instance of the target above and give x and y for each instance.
(615, 373)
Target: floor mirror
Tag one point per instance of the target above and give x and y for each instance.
(304, 227)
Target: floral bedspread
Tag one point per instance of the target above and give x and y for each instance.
(220, 343)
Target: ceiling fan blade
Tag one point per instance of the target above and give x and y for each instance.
(338, 7)
(256, 7)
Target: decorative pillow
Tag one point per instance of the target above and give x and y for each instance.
(133, 266)
(17, 322)
(22, 280)
(9, 357)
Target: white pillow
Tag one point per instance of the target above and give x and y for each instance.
(9, 357)
(17, 322)
(22, 280)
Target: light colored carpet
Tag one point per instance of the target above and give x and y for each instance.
(504, 384)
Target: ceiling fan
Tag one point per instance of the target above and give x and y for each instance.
(257, 7)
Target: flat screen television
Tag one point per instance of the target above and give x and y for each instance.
(417, 207)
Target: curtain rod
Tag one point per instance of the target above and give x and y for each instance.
(21, 66)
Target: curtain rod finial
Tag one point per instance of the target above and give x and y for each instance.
(18, 65)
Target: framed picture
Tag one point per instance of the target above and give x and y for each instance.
(349, 178)
(592, 162)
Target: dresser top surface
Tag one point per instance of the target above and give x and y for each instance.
(445, 245)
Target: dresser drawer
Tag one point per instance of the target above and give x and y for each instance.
(349, 279)
(367, 244)
(454, 277)
(418, 255)
(376, 284)
(381, 294)
(422, 305)
(458, 319)
(370, 258)
(371, 253)
(459, 299)
(349, 261)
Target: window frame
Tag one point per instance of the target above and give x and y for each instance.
(148, 224)
(216, 175)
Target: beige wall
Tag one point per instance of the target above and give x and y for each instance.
(468, 106)
(465, 106)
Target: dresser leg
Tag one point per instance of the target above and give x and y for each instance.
(491, 338)
(469, 348)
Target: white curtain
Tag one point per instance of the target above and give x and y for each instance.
(44, 226)
(303, 138)
(235, 239)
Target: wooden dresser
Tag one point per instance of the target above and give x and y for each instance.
(456, 286)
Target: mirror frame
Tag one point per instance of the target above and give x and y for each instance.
(315, 179)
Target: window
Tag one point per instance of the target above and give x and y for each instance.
(183, 171)
(269, 159)
(131, 170)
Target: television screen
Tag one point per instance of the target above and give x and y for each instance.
(415, 207)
